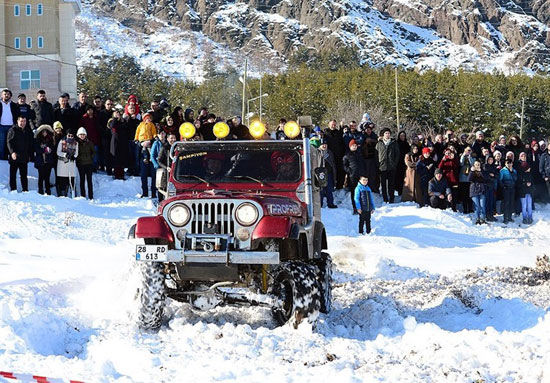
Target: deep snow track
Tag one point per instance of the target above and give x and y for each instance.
(426, 297)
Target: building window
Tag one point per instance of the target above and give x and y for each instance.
(30, 79)
(28, 9)
(39, 9)
(40, 42)
(17, 43)
(29, 42)
(16, 10)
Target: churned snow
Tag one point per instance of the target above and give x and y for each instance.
(427, 296)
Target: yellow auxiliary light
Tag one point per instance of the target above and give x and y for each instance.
(257, 129)
(221, 130)
(187, 130)
(291, 129)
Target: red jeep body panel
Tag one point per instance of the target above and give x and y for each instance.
(272, 227)
(153, 227)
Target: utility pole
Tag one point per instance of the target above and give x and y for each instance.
(522, 114)
(396, 100)
(261, 98)
(244, 89)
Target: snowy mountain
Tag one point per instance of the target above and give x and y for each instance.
(427, 296)
(177, 36)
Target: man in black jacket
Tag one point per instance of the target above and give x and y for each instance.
(544, 168)
(26, 111)
(388, 157)
(43, 110)
(68, 116)
(8, 118)
(81, 105)
(20, 151)
(335, 143)
(354, 165)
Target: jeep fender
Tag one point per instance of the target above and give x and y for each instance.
(152, 227)
(272, 227)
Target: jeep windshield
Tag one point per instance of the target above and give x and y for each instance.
(237, 163)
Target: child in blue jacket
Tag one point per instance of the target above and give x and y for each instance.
(364, 203)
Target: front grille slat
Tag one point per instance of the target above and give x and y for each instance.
(215, 213)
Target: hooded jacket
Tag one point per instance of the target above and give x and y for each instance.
(363, 198)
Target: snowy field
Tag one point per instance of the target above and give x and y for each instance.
(427, 297)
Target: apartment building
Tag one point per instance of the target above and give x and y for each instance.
(37, 46)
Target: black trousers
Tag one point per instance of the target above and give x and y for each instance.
(364, 220)
(508, 203)
(85, 172)
(464, 195)
(44, 179)
(22, 167)
(438, 203)
(63, 186)
(387, 179)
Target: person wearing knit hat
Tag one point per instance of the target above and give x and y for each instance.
(439, 191)
(85, 162)
(426, 150)
(355, 167)
(146, 130)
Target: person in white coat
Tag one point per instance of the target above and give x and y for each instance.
(67, 151)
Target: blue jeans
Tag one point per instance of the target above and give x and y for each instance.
(479, 206)
(3, 138)
(327, 191)
(527, 207)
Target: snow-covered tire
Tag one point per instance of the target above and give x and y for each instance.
(297, 291)
(152, 296)
(324, 277)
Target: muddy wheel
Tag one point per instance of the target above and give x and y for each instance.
(297, 292)
(324, 277)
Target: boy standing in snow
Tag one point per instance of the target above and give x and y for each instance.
(364, 203)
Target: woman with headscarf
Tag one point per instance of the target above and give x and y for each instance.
(412, 190)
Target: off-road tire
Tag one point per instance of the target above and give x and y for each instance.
(296, 288)
(324, 278)
(152, 296)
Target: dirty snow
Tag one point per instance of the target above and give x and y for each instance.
(427, 296)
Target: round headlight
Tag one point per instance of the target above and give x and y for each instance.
(179, 215)
(246, 214)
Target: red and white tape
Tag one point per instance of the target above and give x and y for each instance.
(28, 378)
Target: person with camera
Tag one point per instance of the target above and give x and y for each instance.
(67, 151)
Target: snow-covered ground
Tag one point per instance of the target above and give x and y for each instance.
(427, 297)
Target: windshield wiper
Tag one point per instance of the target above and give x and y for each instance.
(250, 178)
(196, 177)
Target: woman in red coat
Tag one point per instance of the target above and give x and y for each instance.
(450, 167)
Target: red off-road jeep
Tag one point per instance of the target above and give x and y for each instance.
(241, 224)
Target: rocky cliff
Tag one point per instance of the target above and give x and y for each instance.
(507, 35)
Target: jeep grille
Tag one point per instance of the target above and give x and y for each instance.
(215, 213)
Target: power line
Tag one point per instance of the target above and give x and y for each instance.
(37, 55)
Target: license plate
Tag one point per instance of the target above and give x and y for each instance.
(155, 253)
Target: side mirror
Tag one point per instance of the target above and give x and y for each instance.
(320, 177)
(161, 180)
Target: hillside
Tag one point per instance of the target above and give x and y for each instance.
(179, 36)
